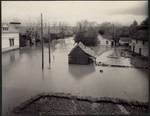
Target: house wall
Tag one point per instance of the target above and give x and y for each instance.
(6, 42)
(78, 56)
(144, 48)
(103, 41)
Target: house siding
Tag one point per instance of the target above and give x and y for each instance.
(78, 56)
(103, 41)
(144, 48)
(6, 42)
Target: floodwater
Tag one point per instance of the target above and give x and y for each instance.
(105, 58)
(22, 76)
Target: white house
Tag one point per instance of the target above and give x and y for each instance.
(104, 40)
(10, 37)
(139, 43)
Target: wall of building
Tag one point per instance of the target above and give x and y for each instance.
(78, 56)
(6, 42)
(103, 41)
(144, 48)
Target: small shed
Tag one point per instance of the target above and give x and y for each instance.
(81, 54)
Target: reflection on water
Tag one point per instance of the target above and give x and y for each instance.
(12, 57)
(80, 71)
(22, 76)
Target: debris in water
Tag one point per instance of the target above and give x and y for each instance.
(101, 71)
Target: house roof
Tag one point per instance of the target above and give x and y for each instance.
(108, 37)
(141, 35)
(85, 49)
(11, 28)
(125, 39)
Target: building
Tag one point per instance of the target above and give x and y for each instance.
(10, 37)
(139, 43)
(124, 40)
(55, 33)
(81, 54)
(24, 34)
(104, 41)
(24, 40)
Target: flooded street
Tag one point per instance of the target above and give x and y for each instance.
(23, 76)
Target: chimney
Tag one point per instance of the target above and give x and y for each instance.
(16, 24)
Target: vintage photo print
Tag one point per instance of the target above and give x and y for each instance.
(74, 58)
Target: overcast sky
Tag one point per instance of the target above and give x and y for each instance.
(124, 12)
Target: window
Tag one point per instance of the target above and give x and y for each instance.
(106, 42)
(143, 42)
(5, 28)
(136, 41)
(11, 42)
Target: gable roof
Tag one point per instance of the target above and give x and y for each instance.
(107, 36)
(141, 35)
(11, 29)
(87, 50)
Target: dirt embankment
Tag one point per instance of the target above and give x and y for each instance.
(67, 104)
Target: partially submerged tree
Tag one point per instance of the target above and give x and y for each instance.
(33, 31)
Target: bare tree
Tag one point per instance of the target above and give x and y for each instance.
(63, 26)
(33, 31)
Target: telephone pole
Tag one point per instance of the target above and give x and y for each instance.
(42, 42)
(49, 36)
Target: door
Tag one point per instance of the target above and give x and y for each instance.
(112, 43)
(139, 51)
(133, 48)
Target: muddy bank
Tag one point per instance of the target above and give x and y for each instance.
(67, 104)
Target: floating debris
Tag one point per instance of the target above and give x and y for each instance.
(101, 71)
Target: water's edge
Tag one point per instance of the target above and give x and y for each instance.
(23, 105)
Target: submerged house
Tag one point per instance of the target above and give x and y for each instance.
(10, 37)
(81, 54)
(139, 43)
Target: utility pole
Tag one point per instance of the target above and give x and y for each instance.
(42, 42)
(49, 36)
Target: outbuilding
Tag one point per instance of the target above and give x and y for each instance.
(81, 54)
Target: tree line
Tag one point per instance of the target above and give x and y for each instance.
(84, 31)
(58, 30)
